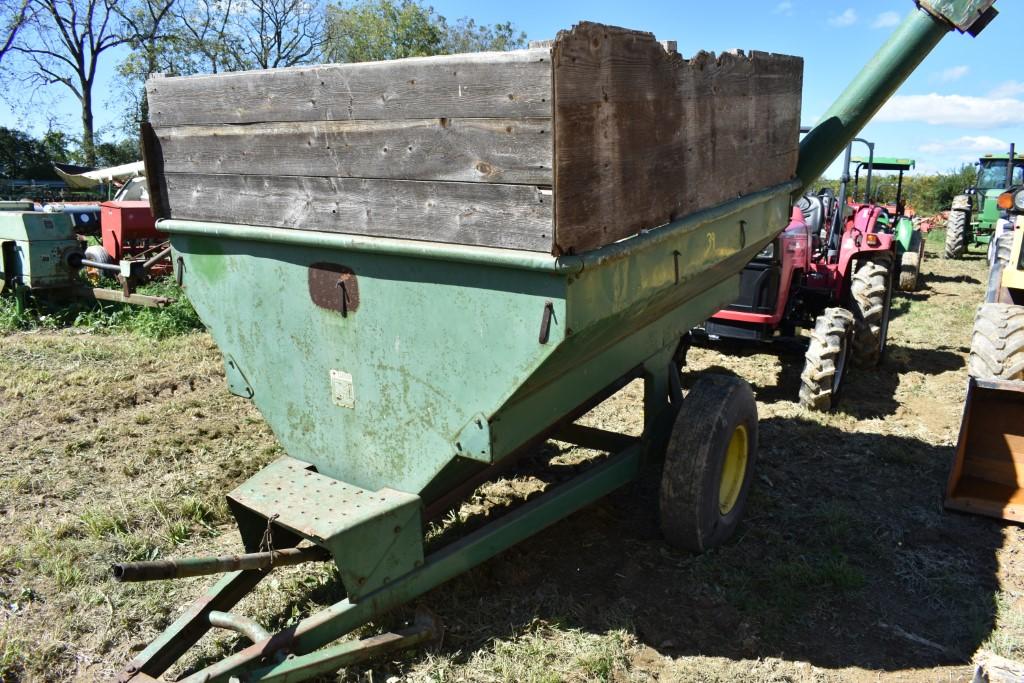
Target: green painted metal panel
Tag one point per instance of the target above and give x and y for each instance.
(960, 13)
(435, 353)
(623, 311)
(904, 234)
(885, 163)
(379, 395)
(35, 249)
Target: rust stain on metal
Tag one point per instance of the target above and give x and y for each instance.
(334, 287)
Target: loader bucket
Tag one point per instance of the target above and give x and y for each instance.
(988, 471)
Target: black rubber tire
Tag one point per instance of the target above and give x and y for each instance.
(826, 359)
(690, 514)
(956, 233)
(910, 266)
(870, 301)
(997, 342)
(100, 255)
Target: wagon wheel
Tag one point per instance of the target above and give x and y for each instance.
(709, 463)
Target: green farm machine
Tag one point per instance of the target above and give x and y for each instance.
(38, 251)
(908, 238)
(42, 255)
(974, 214)
(409, 328)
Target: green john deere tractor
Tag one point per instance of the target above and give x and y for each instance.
(899, 221)
(973, 215)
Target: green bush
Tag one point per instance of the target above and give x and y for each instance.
(927, 194)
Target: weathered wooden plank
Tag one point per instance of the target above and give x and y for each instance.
(513, 84)
(510, 216)
(469, 150)
(643, 136)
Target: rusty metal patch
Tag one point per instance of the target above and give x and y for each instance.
(334, 287)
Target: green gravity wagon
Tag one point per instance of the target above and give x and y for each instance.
(419, 270)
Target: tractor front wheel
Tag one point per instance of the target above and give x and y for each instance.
(870, 301)
(825, 360)
(709, 463)
(910, 264)
(997, 342)
(956, 233)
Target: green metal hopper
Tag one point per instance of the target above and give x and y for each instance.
(398, 374)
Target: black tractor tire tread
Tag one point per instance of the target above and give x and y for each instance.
(870, 296)
(688, 500)
(956, 233)
(821, 362)
(997, 342)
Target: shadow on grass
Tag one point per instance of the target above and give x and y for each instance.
(845, 559)
(866, 392)
(844, 552)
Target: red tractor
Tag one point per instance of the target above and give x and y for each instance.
(831, 271)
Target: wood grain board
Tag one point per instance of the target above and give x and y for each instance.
(643, 136)
(482, 214)
(467, 148)
(481, 85)
(516, 151)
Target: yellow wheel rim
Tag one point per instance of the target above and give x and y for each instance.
(734, 470)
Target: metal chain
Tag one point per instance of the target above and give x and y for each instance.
(267, 542)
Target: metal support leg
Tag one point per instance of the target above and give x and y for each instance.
(191, 625)
(330, 624)
(662, 397)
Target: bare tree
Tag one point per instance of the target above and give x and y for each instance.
(144, 23)
(279, 33)
(61, 42)
(12, 17)
(207, 42)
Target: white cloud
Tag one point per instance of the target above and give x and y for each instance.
(847, 18)
(785, 7)
(954, 110)
(953, 73)
(886, 20)
(967, 146)
(1008, 89)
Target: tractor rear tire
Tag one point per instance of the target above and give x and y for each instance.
(956, 233)
(997, 343)
(870, 301)
(709, 463)
(825, 360)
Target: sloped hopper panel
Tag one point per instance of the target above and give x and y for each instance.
(381, 366)
(381, 390)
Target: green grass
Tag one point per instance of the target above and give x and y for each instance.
(154, 323)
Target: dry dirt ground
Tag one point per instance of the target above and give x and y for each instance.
(846, 567)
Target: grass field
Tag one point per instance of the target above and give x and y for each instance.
(118, 440)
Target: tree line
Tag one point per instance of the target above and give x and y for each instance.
(926, 194)
(61, 44)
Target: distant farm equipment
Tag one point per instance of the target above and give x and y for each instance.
(974, 214)
(132, 251)
(830, 271)
(988, 471)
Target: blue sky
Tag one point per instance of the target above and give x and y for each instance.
(966, 99)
